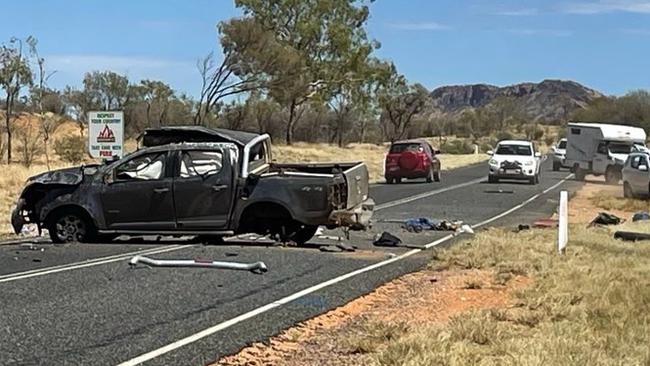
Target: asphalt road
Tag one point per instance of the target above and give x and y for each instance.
(82, 304)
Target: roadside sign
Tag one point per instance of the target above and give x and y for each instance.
(106, 134)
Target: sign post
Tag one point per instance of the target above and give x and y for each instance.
(563, 222)
(106, 134)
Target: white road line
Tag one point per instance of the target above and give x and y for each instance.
(270, 306)
(87, 263)
(426, 194)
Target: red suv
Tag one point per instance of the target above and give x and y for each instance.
(412, 159)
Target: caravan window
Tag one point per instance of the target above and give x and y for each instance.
(575, 131)
(616, 148)
(602, 148)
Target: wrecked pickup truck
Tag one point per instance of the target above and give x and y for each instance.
(196, 181)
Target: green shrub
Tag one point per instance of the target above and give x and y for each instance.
(456, 147)
(549, 139)
(534, 132)
(71, 149)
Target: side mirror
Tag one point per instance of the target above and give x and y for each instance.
(538, 154)
(643, 168)
(490, 152)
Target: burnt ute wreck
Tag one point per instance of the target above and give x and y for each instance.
(196, 181)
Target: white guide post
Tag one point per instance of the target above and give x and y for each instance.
(563, 224)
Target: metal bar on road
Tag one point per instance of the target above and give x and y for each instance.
(255, 267)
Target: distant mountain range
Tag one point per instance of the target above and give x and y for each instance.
(547, 101)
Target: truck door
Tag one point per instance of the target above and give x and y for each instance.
(601, 158)
(633, 173)
(139, 195)
(203, 189)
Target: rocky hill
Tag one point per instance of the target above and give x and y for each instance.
(547, 101)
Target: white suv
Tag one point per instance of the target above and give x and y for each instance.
(515, 159)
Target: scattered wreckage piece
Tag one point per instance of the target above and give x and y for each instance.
(337, 248)
(640, 216)
(631, 236)
(499, 191)
(604, 218)
(387, 239)
(546, 223)
(417, 225)
(255, 267)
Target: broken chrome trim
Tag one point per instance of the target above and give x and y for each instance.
(247, 151)
(255, 267)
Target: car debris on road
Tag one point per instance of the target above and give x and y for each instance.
(417, 225)
(605, 218)
(255, 267)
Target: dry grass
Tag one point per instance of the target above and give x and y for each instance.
(590, 306)
(12, 182)
(372, 154)
(610, 202)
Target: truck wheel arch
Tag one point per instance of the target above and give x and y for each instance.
(261, 209)
(69, 208)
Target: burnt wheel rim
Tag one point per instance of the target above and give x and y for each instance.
(70, 228)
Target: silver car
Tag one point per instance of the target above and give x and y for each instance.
(636, 177)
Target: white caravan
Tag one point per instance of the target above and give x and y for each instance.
(601, 149)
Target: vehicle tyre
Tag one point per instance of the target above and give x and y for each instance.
(390, 180)
(611, 176)
(627, 190)
(398, 180)
(556, 166)
(69, 226)
(493, 179)
(531, 180)
(579, 174)
(430, 176)
(436, 176)
(537, 178)
(298, 233)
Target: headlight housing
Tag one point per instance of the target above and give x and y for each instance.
(493, 162)
(528, 163)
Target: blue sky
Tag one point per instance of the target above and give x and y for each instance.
(604, 44)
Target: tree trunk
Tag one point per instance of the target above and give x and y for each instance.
(7, 120)
(291, 122)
